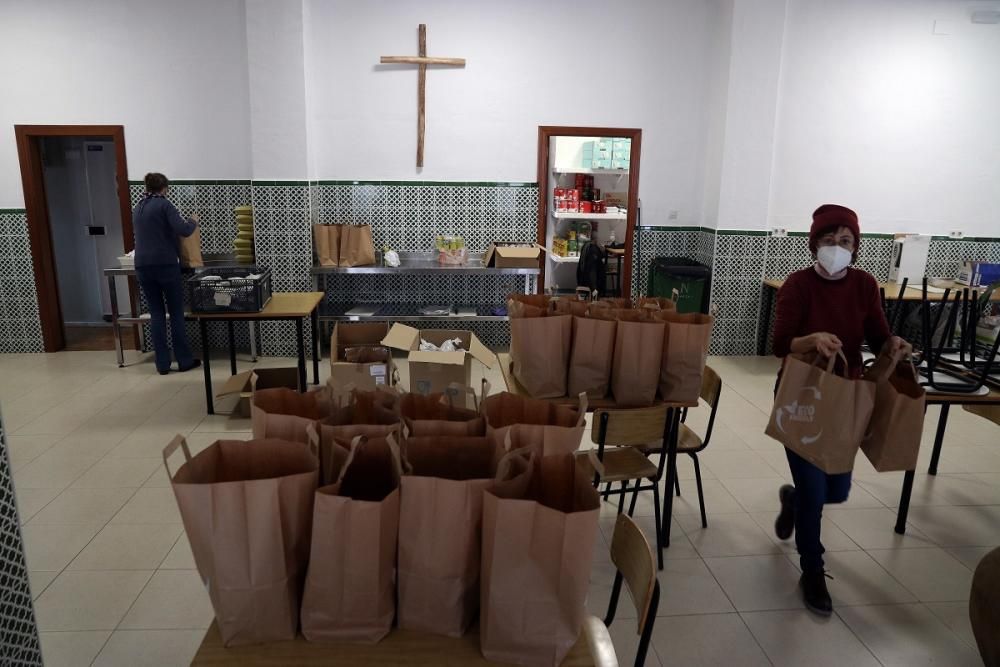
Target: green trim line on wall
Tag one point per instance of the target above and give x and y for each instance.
(12, 211)
(189, 181)
(678, 228)
(864, 235)
(481, 184)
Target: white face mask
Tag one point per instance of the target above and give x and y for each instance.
(833, 258)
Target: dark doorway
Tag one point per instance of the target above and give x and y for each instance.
(79, 221)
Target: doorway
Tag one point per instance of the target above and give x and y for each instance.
(79, 223)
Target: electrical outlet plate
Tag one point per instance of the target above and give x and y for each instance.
(955, 234)
(673, 215)
(779, 231)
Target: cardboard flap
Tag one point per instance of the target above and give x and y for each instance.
(236, 384)
(518, 252)
(482, 353)
(488, 259)
(450, 358)
(401, 337)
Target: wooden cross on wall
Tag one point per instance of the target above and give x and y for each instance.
(422, 61)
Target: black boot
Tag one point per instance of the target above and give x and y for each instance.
(784, 525)
(814, 593)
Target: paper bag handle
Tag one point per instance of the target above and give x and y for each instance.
(399, 455)
(831, 362)
(356, 443)
(168, 451)
(583, 409)
(505, 464)
(312, 438)
(596, 462)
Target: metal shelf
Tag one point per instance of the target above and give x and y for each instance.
(406, 312)
(558, 259)
(424, 263)
(569, 215)
(595, 172)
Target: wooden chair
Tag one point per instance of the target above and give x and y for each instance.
(634, 561)
(621, 437)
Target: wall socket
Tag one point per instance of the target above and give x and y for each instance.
(673, 215)
(779, 231)
(956, 234)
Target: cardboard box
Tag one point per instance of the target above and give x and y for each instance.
(365, 376)
(267, 378)
(432, 372)
(909, 257)
(511, 256)
(978, 273)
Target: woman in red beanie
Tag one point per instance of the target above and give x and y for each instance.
(826, 308)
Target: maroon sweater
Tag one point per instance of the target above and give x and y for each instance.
(849, 308)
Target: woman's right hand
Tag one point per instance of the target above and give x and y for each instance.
(822, 342)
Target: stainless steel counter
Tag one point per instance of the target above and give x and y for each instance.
(416, 263)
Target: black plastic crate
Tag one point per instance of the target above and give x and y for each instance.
(236, 292)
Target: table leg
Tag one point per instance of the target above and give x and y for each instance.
(939, 439)
(904, 502)
(668, 495)
(206, 364)
(300, 338)
(252, 328)
(315, 344)
(231, 333)
(765, 317)
(113, 293)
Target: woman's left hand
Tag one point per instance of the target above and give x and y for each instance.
(899, 348)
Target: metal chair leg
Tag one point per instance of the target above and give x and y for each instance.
(607, 490)
(701, 494)
(621, 497)
(677, 485)
(659, 530)
(635, 496)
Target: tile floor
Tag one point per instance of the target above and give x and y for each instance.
(114, 581)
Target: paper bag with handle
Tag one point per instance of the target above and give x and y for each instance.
(356, 245)
(247, 509)
(190, 250)
(373, 414)
(326, 241)
(539, 348)
(444, 413)
(556, 429)
(685, 350)
(350, 587)
(820, 415)
(538, 540)
(592, 353)
(284, 413)
(440, 524)
(635, 369)
(893, 438)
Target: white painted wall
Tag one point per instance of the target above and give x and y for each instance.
(565, 62)
(174, 74)
(878, 113)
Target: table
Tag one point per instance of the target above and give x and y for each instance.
(945, 401)
(911, 294)
(295, 306)
(400, 647)
(673, 415)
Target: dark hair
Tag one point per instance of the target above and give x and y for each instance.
(155, 182)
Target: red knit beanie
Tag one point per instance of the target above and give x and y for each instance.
(830, 217)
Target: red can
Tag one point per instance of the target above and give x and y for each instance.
(573, 194)
(586, 207)
(581, 180)
(559, 193)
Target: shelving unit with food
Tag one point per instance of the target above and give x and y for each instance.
(587, 193)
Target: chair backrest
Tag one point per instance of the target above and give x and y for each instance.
(632, 556)
(711, 384)
(633, 426)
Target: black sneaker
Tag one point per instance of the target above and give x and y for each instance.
(194, 364)
(163, 372)
(784, 525)
(814, 593)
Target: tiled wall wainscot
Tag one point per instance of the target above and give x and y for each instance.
(20, 328)
(19, 645)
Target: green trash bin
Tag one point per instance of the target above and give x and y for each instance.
(691, 280)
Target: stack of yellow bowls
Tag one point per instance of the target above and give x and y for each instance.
(243, 245)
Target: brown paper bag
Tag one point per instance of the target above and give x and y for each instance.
(590, 357)
(356, 245)
(326, 240)
(190, 250)
(551, 429)
(528, 305)
(285, 413)
(685, 350)
(350, 587)
(444, 413)
(247, 509)
(568, 306)
(819, 415)
(539, 350)
(373, 414)
(440, 521)
(537, 550)
(893, 438)
(635, 370)
(657, 304)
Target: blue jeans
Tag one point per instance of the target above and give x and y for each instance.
(813, 489)
(163, 284)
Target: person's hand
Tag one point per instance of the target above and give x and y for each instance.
(194, 216)
(825, 343)
(898, 348)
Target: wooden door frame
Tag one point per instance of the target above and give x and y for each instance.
(545, 133)
(39, 227)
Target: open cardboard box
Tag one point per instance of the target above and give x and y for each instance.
(432, 372)
(365, 376)
(511, 256)
(267, 378)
